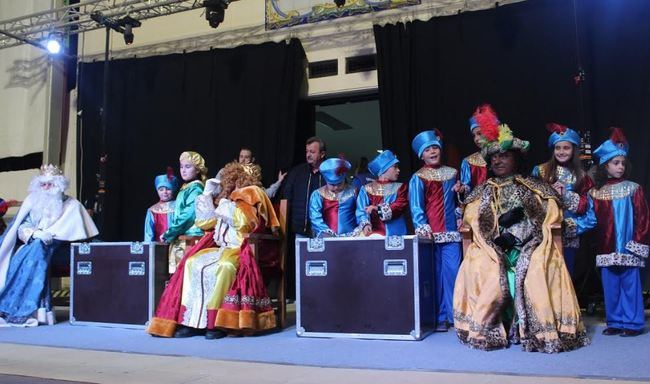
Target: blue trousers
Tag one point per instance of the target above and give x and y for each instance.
(447, 261)
(570, 259)
(623, 297)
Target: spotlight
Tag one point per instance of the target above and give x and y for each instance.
(128, 23)
(128, 34)
(53, 43)
(339, 3)
(215, 11)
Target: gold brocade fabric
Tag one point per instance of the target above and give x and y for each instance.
(547, 315)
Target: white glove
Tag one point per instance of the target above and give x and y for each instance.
(212, 187)
(45, 237)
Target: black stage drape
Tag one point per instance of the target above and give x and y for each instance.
(521, 58)
(212, 102)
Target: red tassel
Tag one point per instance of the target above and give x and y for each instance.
(488, 121)
(170, 173)
(617, 136)
(556, 128)
(438, 133)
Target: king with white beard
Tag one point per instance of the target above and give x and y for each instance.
(46, 219)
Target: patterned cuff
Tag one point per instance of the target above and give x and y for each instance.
(571, 201)
(447, 237)
(384, 212)
(326, 232)
(619, 259)
(458, 212)
(638, 249)
(363, 223)
(570, 228)
(424, 230)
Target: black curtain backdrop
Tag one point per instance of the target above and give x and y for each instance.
(212, 102)
(521, 58)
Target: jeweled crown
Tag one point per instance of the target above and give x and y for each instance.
(50, 170)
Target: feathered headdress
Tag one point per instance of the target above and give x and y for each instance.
(496, 137)
(488, 121)
(334, 170)
(168, 180)
(561, 132)
(617, 145)
(341, 169)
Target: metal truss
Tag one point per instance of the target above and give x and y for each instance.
(73, 19)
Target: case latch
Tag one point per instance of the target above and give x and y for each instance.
(395, 267)
(316, 268)
(84, 268)
(136, 268)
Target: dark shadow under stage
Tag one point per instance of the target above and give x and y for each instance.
(607, 356)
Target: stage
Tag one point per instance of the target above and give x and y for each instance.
(608, 357)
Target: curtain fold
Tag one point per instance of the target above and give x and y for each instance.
(521, 58)
(212, 102)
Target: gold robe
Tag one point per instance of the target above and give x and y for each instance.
(546, 312)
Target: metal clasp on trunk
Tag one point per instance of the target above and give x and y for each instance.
(394, 243)
(395, 267)
(84, 249)
(316, 268)
(316, 245)
(137, 248)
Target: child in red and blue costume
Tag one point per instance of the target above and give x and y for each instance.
(381, 203)
(473, 168)
(564, 173)
(435, 216)
(623, 237)
(332, 207)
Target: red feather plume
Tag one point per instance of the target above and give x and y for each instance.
(438, 133)
(488, 121)
(556, 128)
(617, 136)
(170, 173)
(341, 169)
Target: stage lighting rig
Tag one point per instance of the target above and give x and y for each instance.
(215, 10)
(54, 43)
(124, 25)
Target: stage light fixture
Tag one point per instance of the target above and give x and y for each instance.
(128, 23)
(339, 3)
(215, 11)
(54, 43)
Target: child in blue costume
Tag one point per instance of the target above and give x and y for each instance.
(332, 207)
(161, 214)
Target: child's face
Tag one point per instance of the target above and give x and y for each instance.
(188, 171)
(391, 174)
(164, 193)
(563, 152)
(245, 156)
(476, 136)
(431, 155)
(335, 188)
(616, 167)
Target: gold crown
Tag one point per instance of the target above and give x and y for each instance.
(50, 170)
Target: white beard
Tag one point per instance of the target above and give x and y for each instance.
(47, 208)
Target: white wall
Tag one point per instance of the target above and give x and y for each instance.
(23, 102)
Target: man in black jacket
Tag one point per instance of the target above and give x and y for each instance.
(301, 181)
